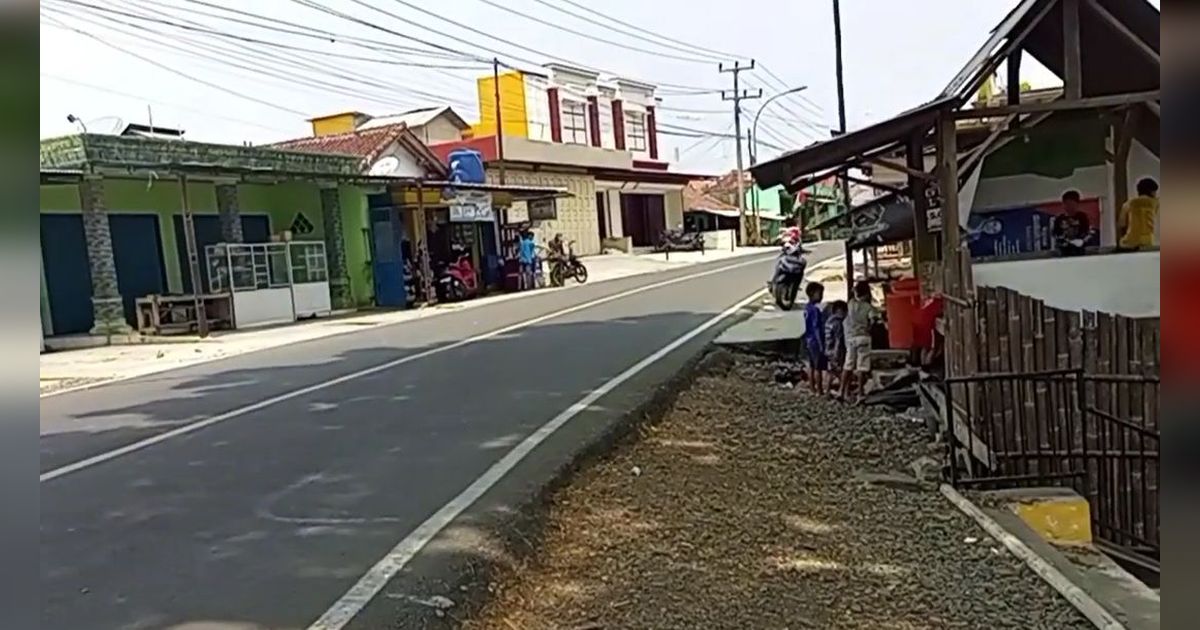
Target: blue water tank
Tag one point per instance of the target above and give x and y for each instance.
(466, 166)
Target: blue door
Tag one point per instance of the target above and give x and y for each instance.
(68, 278)
(388, 258)
(137, 252)
(256, 228)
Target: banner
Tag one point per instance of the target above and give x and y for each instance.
(1024, 228)
(471, 205)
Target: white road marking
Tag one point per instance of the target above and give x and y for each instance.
(370, 584)
(262, 404)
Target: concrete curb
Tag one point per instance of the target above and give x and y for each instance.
(1090, 608)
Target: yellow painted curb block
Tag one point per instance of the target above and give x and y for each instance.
(1061, 520)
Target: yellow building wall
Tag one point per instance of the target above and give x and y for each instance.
(512, 98)
(329, 125)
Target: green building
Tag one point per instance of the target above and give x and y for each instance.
(112, 220)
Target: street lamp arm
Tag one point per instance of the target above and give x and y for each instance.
(754, 123)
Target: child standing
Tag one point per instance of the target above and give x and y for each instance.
(859, 313)
(814, 336)
(835, 341)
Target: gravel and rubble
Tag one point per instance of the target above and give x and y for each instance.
(755, 506)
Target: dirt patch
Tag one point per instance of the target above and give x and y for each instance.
(753, 506)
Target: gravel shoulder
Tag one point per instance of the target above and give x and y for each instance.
(746, 507)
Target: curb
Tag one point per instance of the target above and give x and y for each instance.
(1082, 602)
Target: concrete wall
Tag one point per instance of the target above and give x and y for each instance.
(1123, 284)
(578, 155)
(438, 130)
(577, 218)
(673, 208)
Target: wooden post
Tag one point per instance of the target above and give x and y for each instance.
(1072, 67)
(1014, 83)
(948, 183)
(423, 252)
(923, 244)
(1122, 139)
(189, 238)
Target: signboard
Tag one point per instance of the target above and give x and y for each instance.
(933, 208)
(468, 206)
(518, 213)
(1027, 228)
(543, 209)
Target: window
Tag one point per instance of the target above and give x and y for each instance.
(574, 122)
(635, 131)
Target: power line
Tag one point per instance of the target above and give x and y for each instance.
(714, 54)
(706, 59)
(152, 62)
(351, 90)
(145, 99)
(255, 56)
(590, 36)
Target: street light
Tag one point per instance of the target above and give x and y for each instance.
(754, 125)
(754, 151)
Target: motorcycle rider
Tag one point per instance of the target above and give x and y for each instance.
(791, 256)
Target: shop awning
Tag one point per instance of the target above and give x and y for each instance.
(831, 156)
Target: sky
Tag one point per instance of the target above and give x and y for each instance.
(252, 77)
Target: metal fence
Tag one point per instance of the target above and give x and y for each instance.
(1063, 427)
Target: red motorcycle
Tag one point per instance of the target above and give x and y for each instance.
(458, 281)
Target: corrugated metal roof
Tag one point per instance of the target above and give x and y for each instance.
(415, 118)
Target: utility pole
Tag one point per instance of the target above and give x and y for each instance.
(737, 96)
(841, 97)
(499, 120)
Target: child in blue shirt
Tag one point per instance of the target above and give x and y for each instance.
(814, 336)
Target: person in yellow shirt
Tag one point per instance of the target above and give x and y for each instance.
(1138, 216)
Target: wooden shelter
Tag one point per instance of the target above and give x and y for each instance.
(1031, 394)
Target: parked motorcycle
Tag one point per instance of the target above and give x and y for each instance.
(676, 240)
(457, 281)
(788, 275)
(569, 266)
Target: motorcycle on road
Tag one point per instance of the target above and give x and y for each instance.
(567, 266)
(788, 275)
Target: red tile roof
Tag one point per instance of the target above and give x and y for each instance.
(696, 196)
(368, 145)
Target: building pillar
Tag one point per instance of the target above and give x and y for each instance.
(335, 249)
(230, 213)
(108, 311)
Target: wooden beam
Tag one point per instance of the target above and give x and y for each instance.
(979, 152)
(1072, 65)
(877, 185)
(1012, 44)
(947, 170)
(1112, 21)
(901, 168)
(1094, 102)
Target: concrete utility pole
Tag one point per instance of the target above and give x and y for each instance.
(737, 96)
(841, 97)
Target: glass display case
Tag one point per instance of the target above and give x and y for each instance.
(270, 283)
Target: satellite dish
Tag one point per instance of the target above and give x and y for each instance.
(384, 166)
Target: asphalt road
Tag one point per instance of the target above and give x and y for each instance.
(264, 519)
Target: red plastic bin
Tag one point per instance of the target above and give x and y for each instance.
(903, 302)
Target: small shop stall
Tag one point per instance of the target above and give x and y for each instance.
(270, 283)
(436, 222)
